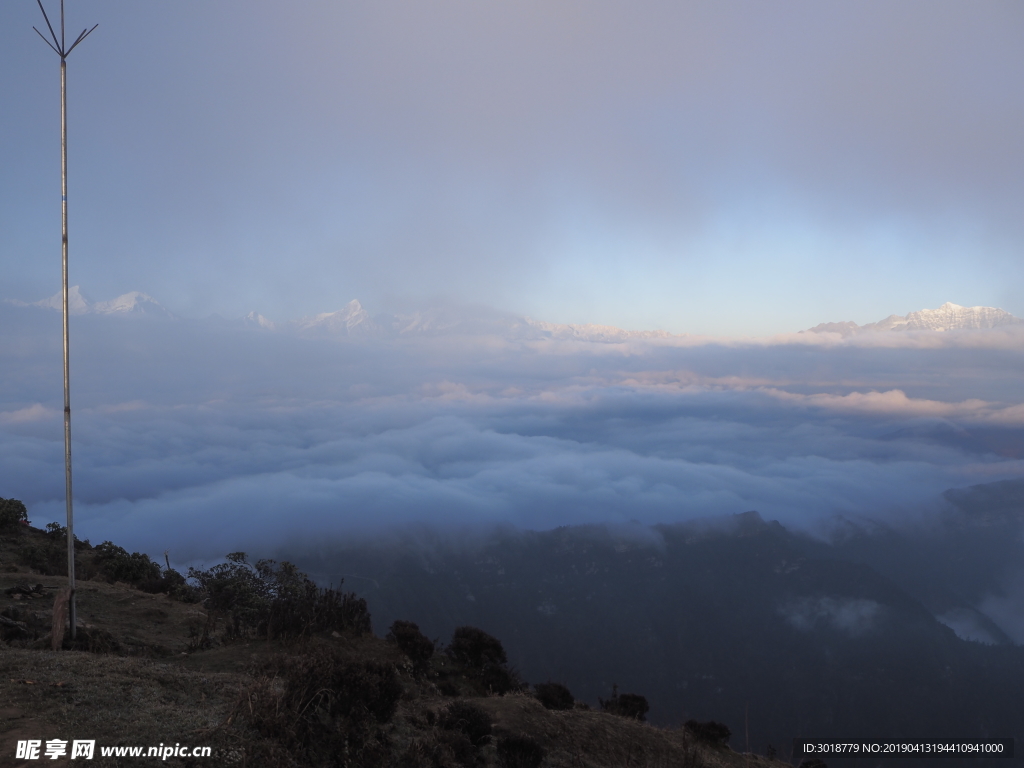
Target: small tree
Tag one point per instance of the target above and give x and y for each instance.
(484, 659)
(273, 600)
(476, 648)
(413, 643)
(12, 512)
(554, 696)
(117, 564)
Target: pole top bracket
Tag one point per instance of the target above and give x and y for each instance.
(59, 47)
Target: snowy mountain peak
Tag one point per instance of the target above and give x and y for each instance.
(257, 320)
(134, 302)
(77, 305)
(948, 317)
(952, 316)
(345, 320)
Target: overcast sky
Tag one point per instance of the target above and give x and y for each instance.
(712, 167)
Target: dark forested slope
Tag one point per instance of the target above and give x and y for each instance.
(745, 622)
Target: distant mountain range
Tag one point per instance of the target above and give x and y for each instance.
(134, 302)
(948, 317)
(353, 320)
(879, 630)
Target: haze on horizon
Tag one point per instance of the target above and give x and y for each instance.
(718, 168)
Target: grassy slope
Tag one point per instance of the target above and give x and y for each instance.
(153, 690)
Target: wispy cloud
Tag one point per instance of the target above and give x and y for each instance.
(31, 413)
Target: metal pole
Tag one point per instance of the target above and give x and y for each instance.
(60, 47)
(67, 357)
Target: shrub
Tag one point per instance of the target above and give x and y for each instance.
(467, 718)
(519, 752)
(116, 564)
(49, 558)
(412, 643)
(328, 710)
(715, 734)
(299, 607)
(234, 591)
(272, 600)
(12, 512)
(476, 648)
(59, 533)
(500, 680)
(365, 690)
(629, 705)
(172, 584)
(554, 696)
(484, 660)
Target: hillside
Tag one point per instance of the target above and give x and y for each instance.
(152, 670)
(743, 622)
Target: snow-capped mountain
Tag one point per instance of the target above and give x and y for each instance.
(593, 332)
(461, 320)
(256, 320)
(354, 320)
(77, 305)
(133, 302)
(948, 317)
(351, 318)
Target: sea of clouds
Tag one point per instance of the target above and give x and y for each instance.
(209, 436)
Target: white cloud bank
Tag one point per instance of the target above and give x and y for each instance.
(211, 436)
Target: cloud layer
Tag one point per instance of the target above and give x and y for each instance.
(209, 436)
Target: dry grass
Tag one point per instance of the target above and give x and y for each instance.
(114, 700)
(154, 691)
(588, 739)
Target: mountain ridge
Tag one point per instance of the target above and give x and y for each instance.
(948, 317)
(131, 303)
(353, 320)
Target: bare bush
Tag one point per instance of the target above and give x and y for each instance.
(631, 705)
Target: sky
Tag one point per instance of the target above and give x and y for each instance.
(724, 168)
(732, 172)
